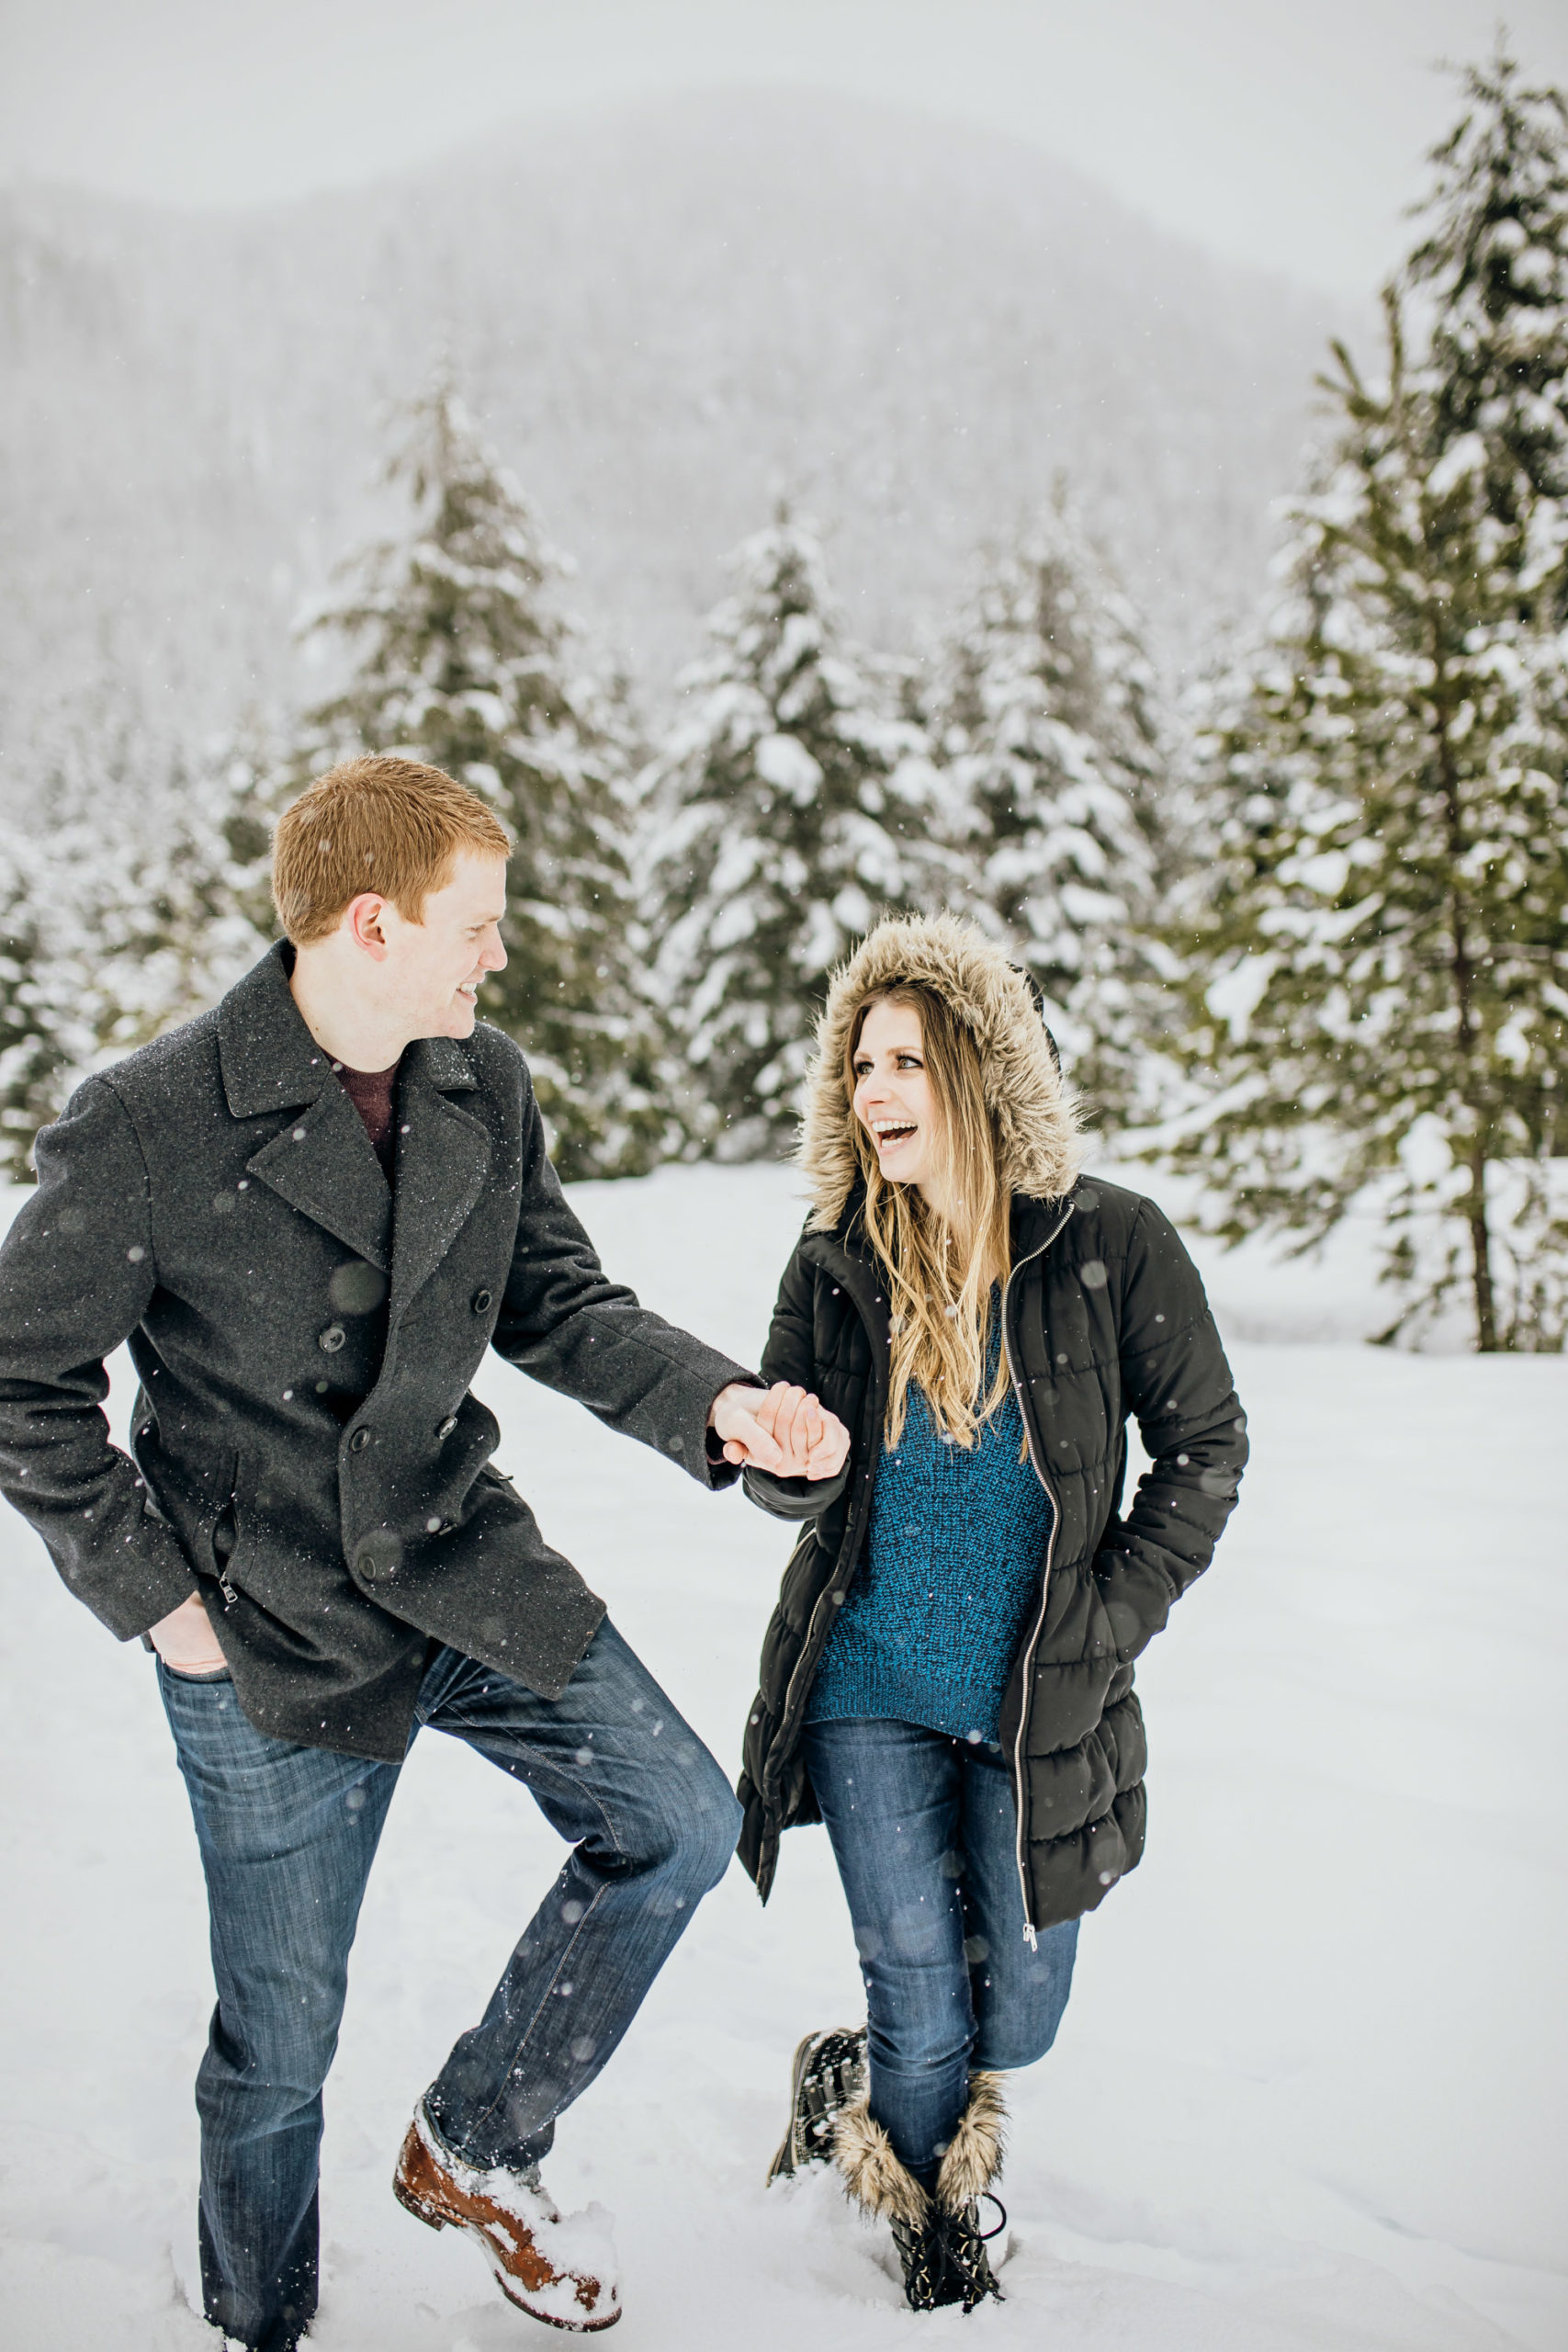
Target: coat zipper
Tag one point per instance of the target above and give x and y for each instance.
(847, 1549)
(823, 1600)
(224, 1587)
(1031, 1933)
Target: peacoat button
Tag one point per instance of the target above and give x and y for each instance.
(359, 1440)
(378, 1556)
(333, 1337)
(445, 1429)
(480, 1301)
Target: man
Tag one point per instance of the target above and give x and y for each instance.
(311, 1211)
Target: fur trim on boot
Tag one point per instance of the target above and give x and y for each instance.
(872, 2173)
(974, 2153)
(939, 2247)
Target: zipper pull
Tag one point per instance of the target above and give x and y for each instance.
(226, 1589)
(1029, 1937)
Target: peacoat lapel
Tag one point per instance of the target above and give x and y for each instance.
(320, 1161)
(323, 1164)
(444, 1155)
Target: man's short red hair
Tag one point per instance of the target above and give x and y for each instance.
(375, 823)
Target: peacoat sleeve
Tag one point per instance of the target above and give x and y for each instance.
(790, 1356)
(565, 1323)
(1176, 1380)
(77, 1271)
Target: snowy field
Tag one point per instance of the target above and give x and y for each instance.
(1311, 2090)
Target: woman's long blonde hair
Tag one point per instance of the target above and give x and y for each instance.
(939, 1270)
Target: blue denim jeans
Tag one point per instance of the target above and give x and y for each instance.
(924, 1831)
(288, 1836)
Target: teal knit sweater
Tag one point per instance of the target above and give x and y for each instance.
(930, 1624)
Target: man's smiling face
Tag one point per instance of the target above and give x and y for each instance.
(434, 968)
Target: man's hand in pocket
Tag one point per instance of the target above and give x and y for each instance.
(185, 1639)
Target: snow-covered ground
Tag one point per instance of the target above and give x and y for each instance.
(1312, 2087)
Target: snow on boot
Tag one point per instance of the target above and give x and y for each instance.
(939, 2247)
(828, 2075)
(559, 2269)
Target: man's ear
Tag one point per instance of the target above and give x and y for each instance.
(362, 920)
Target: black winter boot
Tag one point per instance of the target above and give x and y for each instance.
(938, 2237)
(828, 2075)
(945, 2261)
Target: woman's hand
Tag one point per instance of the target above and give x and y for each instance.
(781, 1430)
(185, 1639)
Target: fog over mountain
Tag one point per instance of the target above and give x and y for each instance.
(666, 318)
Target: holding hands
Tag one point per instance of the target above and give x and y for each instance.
(782, 1430)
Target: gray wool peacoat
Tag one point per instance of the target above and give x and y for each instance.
(307, 1455)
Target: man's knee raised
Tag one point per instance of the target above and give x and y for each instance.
(707, 1821)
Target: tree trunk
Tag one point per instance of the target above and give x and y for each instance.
(1486, 1340)
(1463, 977)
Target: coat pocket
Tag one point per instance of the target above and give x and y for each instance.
(491, 1481)
(1078, 1628)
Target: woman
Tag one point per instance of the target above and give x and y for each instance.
(947, 1681)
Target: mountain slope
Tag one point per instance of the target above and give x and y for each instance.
(667, 317)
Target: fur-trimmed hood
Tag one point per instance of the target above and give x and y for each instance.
(1039, 1145)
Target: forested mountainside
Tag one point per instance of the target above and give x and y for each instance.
(665, 319)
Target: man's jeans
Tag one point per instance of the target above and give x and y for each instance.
(925, 1834)
(287, 1834)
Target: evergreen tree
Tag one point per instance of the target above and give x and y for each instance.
(1043, 710)
(1388, 991)
(789, 807)
(122, 911)
(1493, 271)
(467, 661)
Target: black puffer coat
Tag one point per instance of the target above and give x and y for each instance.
(1104, 1315)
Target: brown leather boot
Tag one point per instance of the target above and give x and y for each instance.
(559, 2270)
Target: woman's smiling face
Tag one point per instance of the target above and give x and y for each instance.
(893, 1098)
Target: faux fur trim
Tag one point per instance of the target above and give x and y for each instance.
(880, 2184)
(872, 2173)
(1035, 1115)
(974, 2153)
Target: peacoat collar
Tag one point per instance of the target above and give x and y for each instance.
(321, 1161)
(270, 1060)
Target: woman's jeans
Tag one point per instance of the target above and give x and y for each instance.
(288, 1836)
(925, 1834)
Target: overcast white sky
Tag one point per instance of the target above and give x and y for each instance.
(1285, 132)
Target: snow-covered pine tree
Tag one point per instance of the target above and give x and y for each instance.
(46, 1038)
(1042, 706)
(789, 806)
(468, 659)
(122, 911)
(1386, 934)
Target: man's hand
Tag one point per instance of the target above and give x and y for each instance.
(781, 1430)
(185, 1639)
